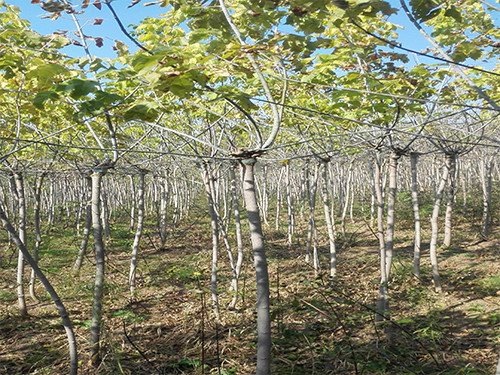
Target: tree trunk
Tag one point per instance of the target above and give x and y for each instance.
(391, 202)
(38, 236)
(289, 200)
(486, 182)
(451, 162)
(21, 206)
(138, 232)
(163, 210)
(330, 224)
(239, 238)
(95, 326)
(207, 176)
(416, 213)
(86, 229)
(134, 203)
(73, 353)
(261, 272)
(382, 309)
(434, 228)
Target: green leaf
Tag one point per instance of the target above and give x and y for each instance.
(453, 13)
(42, 97)
(77, 88)
(145, 111)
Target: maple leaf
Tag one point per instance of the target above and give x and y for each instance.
(97, 4)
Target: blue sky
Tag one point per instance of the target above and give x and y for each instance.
(110, 32)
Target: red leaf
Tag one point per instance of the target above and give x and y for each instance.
(35, 1)
(98, 21)
(97, 4)
(99, 42)
(85, 4)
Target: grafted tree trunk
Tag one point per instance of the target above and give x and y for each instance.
(261, 272)
(95, 325)
(416, 213)
(434, 228)
(451, 163)
(21, 206)
(86, 228)
(138, 232)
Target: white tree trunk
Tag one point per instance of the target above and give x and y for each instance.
(261, 272)
(435, 230)
(138, 232)
(416, 214)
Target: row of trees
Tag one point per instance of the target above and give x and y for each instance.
(225, 84)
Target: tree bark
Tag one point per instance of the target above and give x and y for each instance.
(138, 232)
(382, 308)
(261, 272)
(451, 162)
(416, 214)
(434, 228)
(330, 224)
(21, 206)
(289, 200)
(207, 176)
(86, 229)
(95, 326)
(486, 183)
(239, 238)
(73, 353)
(38, 236)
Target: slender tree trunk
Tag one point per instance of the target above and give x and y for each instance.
(278, 200)
(239, 238)
(73, 353)
(289, 200)
(486, 182)
(312, 235)
(95, 326)
(134, 203)
(330, 224)
(21, 205)
(261, 272)
(207, 176)
(163, 210)
(346, 198)
(105, 213)
(86, 228)
(391, 202)
(451, 161)
(383, 293)
(434, 228)
(416, 213)
(38, 236)
(138, 232)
